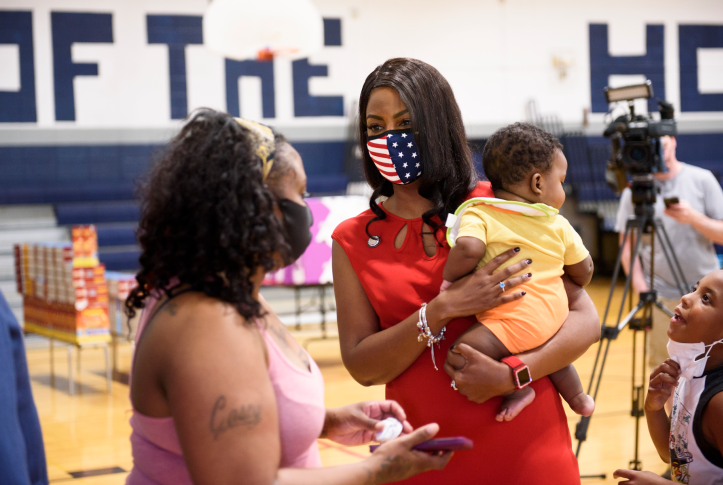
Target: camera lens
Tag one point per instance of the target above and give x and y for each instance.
(638, 154)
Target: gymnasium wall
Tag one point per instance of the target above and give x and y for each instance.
(89, 89)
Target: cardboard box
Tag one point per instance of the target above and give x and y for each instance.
(65, 293)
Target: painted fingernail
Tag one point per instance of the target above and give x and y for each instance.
(529, 261)
(517, 250)
(524, 293)
(529, 275)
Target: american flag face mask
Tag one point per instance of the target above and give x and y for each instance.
(395, 154)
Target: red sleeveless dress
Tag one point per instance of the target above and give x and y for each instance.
(532, 449)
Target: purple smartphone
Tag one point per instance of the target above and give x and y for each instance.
(441, 444)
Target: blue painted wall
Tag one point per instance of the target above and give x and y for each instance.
(49, 174)
(78, 173)
(91, 174)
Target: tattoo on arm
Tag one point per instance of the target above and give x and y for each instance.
(247, 415)
(370, 477)
(393, 469)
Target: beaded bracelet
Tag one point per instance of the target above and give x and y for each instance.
(426, 332)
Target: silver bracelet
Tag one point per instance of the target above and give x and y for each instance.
(426, 332)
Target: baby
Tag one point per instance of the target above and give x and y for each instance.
(526, 167)
(691, 439)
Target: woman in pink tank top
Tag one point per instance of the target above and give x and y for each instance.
(221, 392)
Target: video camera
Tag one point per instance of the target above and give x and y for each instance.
(636, 146)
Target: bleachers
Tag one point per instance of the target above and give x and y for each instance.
(55, 174)
(97, 184)
(586, 171)
(49, 193)
(86, 184)
(116, 223)
(587, 159)
(586, 166)
(95, 213)
(120, 258)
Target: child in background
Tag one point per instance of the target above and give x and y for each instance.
(691, 440)
(526, 167)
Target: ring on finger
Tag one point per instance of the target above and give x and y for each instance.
(502, 285)
(454, 386)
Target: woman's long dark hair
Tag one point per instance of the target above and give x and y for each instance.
(207, 218)
(449, 173)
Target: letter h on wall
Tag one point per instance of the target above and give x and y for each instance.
(602, 64)
(691, 38)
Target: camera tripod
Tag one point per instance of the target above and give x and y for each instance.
(643, 223)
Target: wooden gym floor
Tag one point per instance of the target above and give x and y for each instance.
(87, 434)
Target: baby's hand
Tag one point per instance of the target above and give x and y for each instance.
(663, 380)
(455, 359)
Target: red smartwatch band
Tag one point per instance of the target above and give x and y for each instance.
(520, 371)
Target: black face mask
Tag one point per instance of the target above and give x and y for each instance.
(297, 223)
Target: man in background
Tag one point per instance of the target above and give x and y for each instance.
(22, 454)
(694, 224)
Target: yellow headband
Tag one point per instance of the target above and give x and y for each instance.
(264, 144)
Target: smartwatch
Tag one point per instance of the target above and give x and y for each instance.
(520, 371)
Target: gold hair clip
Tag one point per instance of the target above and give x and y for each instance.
(264, 144)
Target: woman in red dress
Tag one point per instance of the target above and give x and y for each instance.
(388, 263)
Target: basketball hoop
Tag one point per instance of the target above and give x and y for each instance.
(269, 54)
(263, 29)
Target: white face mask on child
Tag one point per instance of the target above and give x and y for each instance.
(685, 354)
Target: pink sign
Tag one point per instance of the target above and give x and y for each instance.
(314, 266)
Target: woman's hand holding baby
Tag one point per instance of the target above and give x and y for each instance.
(481, 378)
(662, 385)
(481, 291)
